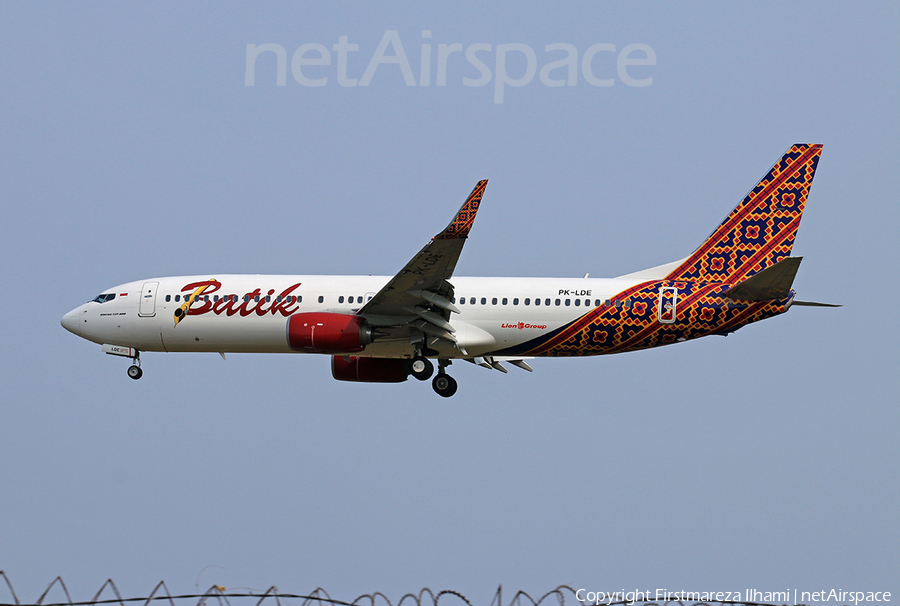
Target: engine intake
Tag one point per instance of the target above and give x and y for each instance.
(328, 333)
(369, 370)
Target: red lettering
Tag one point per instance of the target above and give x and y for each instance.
(249, 298)
(211, 287)
(230, 305)
(260, 311)
(285, 308)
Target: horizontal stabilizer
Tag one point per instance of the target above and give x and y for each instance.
(813, 304)
(774, 282)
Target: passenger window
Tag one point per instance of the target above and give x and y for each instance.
(527, 301)
(504, 300)
(577, 302)
(484, 300)
(472, 301)
(587, 302)
(547, 301)
(168, 298)
(341, 299)
(177, 298)
(557, 303)
(567, 302)
(536, 301)
(462, 301)
(515, 301)
(494, 301)
(321, 299)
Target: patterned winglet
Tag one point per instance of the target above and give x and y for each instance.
(462, 222)
(760, 231)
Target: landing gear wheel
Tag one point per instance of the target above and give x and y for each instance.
(135, 372)
(444, 385)
(421, 368)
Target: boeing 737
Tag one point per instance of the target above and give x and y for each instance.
(385, 329)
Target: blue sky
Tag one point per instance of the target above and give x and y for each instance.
(132, 148)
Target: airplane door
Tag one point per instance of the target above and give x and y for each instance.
(668, 302)
(148, 299)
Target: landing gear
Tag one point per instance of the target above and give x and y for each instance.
(134, 371)
(421, 368)
(444, 385)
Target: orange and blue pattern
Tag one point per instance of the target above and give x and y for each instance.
(758, 233)
(462, 222)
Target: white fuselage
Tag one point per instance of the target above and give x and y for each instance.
(495, 313)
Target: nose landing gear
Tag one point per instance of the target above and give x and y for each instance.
(134, 371)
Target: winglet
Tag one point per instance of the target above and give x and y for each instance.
(462, 222)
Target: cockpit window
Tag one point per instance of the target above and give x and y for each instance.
(104, 298)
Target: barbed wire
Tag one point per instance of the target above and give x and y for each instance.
(218, 596)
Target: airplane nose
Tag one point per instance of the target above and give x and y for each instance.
(71, 321)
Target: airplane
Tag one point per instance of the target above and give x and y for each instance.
(384, 329)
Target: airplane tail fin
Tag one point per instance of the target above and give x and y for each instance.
(760, 231)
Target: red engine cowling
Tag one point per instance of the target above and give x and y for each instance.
(369, 370)
(327, 333)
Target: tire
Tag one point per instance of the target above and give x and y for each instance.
(421, 368)
(135, 372)
(444, 385)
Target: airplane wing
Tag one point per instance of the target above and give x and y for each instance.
(420, 294)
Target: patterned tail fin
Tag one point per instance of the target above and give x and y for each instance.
(760, 231)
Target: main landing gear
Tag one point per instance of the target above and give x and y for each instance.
(422, 368)
(443, 384)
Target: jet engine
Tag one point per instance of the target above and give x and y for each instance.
(328, 333)
(369, 370)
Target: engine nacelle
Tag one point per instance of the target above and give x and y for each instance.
(328, 333)
(369, 370)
